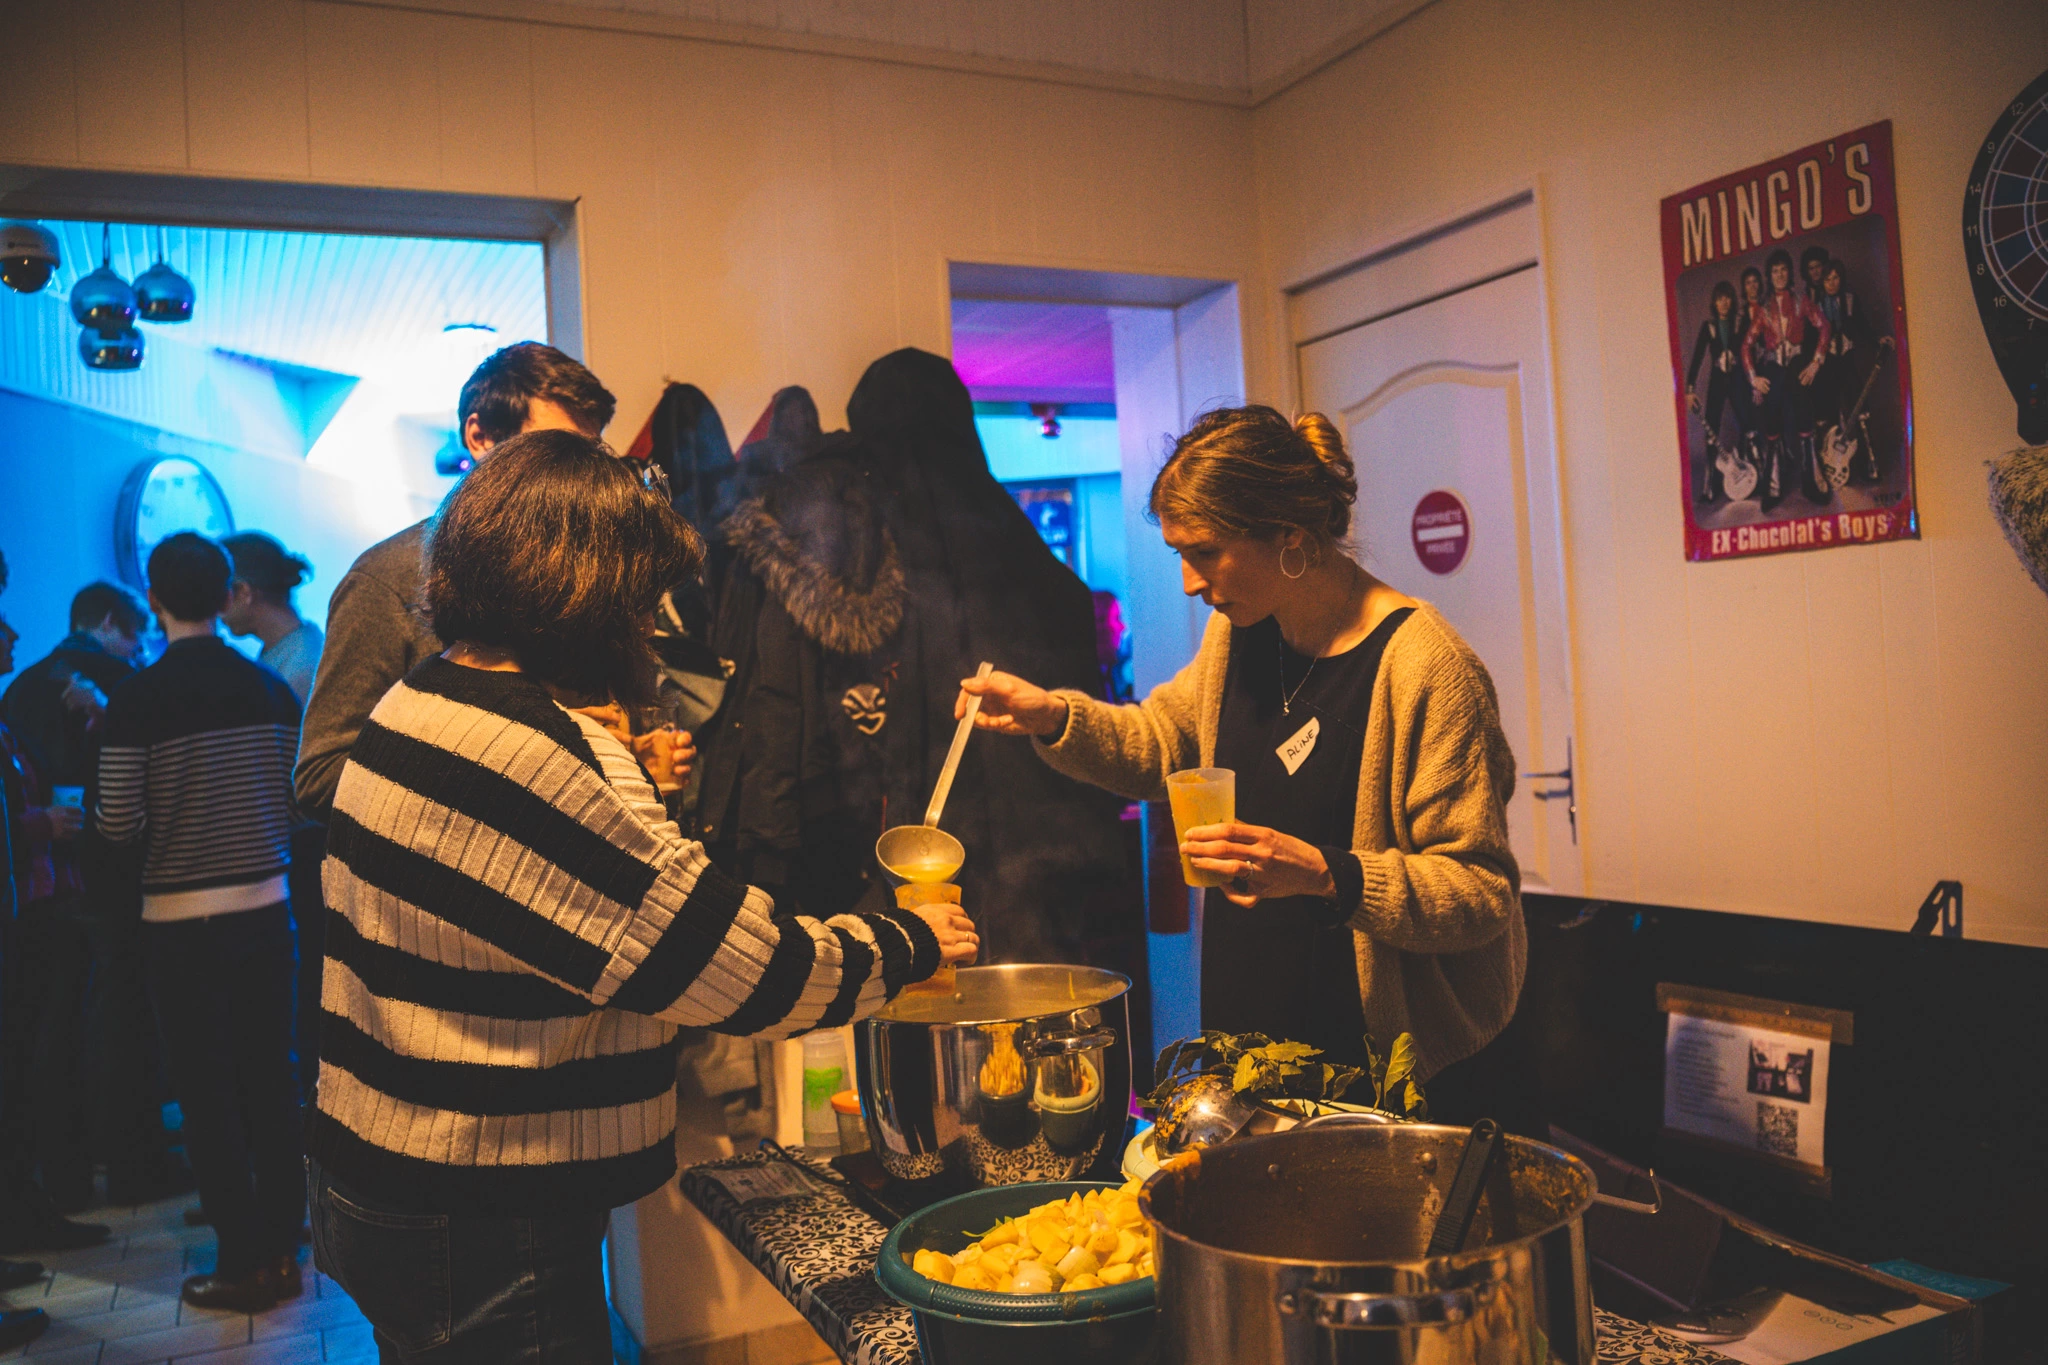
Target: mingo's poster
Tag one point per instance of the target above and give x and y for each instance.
(1793, 393)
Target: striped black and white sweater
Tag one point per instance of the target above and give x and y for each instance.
(515, 932)
(196, 768)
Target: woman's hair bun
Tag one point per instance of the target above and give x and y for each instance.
(1322, 437)
(1251, 471)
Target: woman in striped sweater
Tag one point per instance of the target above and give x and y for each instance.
(516, 931)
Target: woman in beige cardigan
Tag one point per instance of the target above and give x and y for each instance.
(1371, 884)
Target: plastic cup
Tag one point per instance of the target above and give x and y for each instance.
(1201, 796)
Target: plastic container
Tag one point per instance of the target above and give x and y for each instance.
(824, 1077)
(1107, 1326)
(853, 1129)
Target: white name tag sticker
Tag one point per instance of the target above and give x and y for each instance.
(1296, 750)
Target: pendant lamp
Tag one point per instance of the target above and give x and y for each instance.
(161, 293)
(121, 350)
(103, 300)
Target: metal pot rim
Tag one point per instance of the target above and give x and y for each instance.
(1426, 1264)
(1122, 982)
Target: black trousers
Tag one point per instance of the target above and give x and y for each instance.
(225, 989)
(453, 1288)
(54, 942)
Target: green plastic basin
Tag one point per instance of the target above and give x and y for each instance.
(1107, 1326)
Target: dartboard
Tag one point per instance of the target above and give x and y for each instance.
(2005, 237)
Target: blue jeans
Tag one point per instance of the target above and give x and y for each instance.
(452, 1288)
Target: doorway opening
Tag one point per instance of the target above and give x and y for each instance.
(310, 394)
(1081, 380)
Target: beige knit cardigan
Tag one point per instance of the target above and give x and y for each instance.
(1438, 937)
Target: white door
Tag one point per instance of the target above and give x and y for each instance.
(1452, 397)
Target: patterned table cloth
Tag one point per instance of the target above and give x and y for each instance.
(791, 1217)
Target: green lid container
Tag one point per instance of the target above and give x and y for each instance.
(1111, 1325)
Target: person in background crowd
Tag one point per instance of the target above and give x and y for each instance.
(376, 631)
(18, 1326)
(86, 1093)
(195, 771)
(520, 929)
(260, 604)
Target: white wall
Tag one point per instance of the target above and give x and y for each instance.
(61, 470)
(1815, 735)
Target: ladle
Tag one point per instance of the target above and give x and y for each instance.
(926, 854)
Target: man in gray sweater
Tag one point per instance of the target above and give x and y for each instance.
(375, 629)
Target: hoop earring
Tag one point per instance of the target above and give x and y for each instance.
(1283, 560)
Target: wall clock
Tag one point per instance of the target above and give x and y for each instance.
(2005, 239)
(161, 497)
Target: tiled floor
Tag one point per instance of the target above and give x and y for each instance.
(117, 1304)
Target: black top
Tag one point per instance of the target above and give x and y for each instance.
(1285, 967)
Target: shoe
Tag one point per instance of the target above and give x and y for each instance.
(53, 1233)
(20, 1326)
(291, 1281)
(16, 1274)
(255, 1292)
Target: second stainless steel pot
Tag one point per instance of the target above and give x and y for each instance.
(1308, 1247)
(934, 1108)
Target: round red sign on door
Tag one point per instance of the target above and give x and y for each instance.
(1441, 531)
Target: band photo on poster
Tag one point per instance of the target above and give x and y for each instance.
(1788, 348)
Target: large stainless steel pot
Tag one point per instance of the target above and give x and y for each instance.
(921, 1079)
(1309, 1247)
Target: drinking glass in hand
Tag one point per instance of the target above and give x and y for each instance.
(1201, 796)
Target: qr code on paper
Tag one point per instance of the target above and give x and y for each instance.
(1777, 1129)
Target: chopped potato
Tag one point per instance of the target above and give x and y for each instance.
(1085, 1241)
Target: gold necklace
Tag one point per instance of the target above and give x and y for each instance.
(1286, 697)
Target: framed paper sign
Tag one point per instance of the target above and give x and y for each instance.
(1749, 1075)
(1791, 382)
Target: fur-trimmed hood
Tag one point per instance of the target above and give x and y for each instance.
(818, 544)
(2019, 499)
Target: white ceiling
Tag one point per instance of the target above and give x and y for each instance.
(326, 301)
(1226, 45)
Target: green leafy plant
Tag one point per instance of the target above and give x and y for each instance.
(1260, 1068)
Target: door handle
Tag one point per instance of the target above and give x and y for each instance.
(1565, 793)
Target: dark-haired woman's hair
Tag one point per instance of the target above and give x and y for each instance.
(266, 566)
(554, 551)
(1250, 472)
(189, 575)
(499, 393)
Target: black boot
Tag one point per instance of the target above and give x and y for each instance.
(16, 1274)
(1771, 490)
(1710, 474)
(20, 1326)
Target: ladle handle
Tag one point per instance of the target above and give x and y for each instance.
(966, 728)
(1462, 1202)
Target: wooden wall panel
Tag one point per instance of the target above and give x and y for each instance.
(138, 116)
(373, 99)
(246, 90)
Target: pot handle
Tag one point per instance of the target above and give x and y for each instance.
(1379, 1312)
(1074, 1042)
(1656, 1204)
